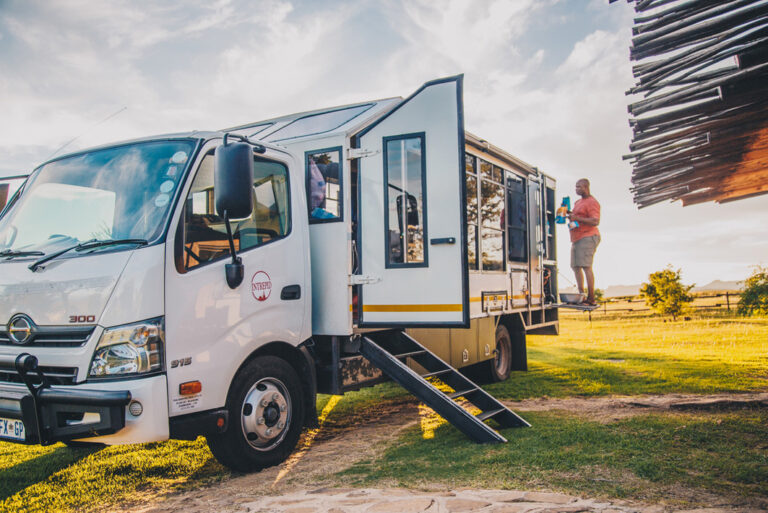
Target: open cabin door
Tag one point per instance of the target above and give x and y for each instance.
(412, 216)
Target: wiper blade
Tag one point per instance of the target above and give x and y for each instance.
(13, 253)
(84, 246)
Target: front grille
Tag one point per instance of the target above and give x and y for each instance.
(55, 375)
(52, 336)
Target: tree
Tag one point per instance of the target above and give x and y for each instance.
(599, 295)
(754, 299)
(665, 292)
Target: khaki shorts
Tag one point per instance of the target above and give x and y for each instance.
(583, 251)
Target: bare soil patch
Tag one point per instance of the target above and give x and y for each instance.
(612, 408)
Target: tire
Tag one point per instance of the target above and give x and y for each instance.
(501, 365)
(266, 415)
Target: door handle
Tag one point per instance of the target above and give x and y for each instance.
(444, 240)
(290, 292)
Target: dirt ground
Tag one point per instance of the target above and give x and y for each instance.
(341, 442)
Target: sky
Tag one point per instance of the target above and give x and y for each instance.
(543, 79)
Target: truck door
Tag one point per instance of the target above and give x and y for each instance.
(210, 328)
(536, 245)
(412, 216)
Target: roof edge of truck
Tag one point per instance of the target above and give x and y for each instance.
(202, 135)
(481, 144)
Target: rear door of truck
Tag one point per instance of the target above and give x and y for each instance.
(411, 235)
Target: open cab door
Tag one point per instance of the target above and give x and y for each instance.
(411, 233)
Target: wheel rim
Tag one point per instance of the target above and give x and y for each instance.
(501, 360)
(265, 415)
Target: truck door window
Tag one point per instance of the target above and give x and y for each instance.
(324, 185)
(491, 216)
(405, 201)
(205, 235)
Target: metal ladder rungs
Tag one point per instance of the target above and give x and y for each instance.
(436, 373)
(488, 414)
(462, 392)
(412, 353)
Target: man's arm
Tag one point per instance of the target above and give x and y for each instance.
(591, 219)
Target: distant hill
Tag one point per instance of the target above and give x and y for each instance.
(720, 285)
(634, 290)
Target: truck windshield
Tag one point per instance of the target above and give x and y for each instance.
(123, 192)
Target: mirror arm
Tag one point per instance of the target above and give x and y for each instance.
(257, 148)
(234, 271)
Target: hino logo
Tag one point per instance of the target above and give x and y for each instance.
(21, 329)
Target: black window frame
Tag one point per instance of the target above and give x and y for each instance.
(340, 218)
(422, 136)
(526, 228)
(180, 238)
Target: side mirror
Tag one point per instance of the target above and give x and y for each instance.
(233, 180)
(233, 191)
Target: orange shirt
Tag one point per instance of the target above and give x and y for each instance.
(585, 207)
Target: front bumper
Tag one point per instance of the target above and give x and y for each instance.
(92, 411)
(53, 415)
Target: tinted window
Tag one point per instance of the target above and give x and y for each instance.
(324, 190)
(517, 224)
(205, 232)
(405, 193)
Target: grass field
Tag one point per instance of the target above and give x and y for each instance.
(640, 458)
(643, 354)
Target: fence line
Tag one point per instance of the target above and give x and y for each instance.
(731, 299)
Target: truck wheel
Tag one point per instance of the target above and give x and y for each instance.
(502, 363)
(266, 416)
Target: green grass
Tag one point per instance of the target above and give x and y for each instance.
(644, 355)
(642, 458)
(58, 478)
(642, 455)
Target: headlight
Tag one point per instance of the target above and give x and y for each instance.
(130, 349)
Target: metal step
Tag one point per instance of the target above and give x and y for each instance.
(385, 352)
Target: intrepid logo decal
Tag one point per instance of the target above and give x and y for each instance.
(261, 286)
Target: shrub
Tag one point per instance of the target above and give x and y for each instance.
(665, 292)
(754, 299)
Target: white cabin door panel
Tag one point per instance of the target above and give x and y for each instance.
(412, 214)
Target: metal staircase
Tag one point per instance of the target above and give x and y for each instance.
(390, 350)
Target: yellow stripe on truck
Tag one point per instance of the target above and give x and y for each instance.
(412, 308)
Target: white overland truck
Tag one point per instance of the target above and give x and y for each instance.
(212, 283)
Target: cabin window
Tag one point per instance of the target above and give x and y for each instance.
(491, 217)
(517, 224)
(471, 175)
(405, 198)
(318, 123)
(324, 179)
(205, 234)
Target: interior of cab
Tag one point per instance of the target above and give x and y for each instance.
(205, 231)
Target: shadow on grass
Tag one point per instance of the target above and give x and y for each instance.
(18, 477)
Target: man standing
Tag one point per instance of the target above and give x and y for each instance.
(584, 238)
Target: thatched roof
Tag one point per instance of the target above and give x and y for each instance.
(700, 131)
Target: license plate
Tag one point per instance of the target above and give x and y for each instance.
(12, 428)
